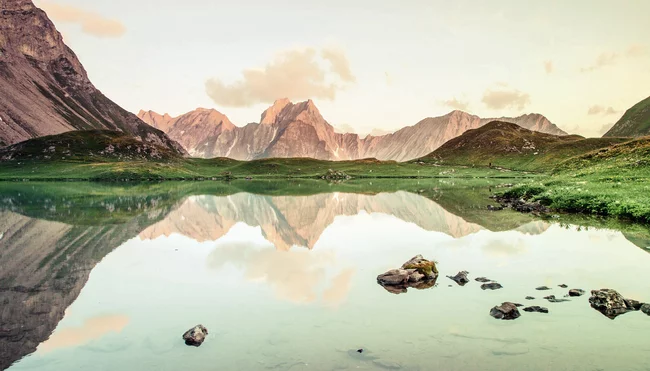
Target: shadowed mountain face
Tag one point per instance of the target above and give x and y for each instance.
(634, 123)
(45, 89)
(299, 130)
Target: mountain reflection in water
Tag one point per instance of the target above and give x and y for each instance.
(50, 245)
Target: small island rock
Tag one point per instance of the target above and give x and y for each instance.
(491, 286)
(195, 336)
(609, 302)
(460, 278)
(576, 292)
(505, 311)
(536, 308)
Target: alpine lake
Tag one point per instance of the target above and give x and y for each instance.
(97, 276)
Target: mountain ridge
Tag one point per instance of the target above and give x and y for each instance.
(46, 89)
(289, 129)
(634, 123)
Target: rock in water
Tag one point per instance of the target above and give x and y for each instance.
(536, 308)
(563, 286)
(418, 273)
(195, 336)
(576, 292)
(645, 308)
(530, 298)
(543, 288)
(505, 311)
(460, 278)
(553, 299)
(609, 302)
(491, 286)
(482, 279)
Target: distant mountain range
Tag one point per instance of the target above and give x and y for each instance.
(634, 123)
(299, 130)
(45, 89)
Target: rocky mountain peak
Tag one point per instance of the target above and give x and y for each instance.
(270, 115)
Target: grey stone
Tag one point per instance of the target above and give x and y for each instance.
(460, 278)
(505, 311)
(195, 336)
(491, 286)
(608, 302)
(536, 308)
(576, 292)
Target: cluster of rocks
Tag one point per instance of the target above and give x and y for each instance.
(418, 273)
(335, 175)
(521, 205)
(612, 304)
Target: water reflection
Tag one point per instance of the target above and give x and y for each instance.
(184, 258)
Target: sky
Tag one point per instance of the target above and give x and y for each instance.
(367, 64)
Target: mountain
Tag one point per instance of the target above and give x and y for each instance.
(299, 130)
(98, 145)
(505, 144)
(634, 123)
(45, 89)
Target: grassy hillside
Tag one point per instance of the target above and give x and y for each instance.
(510, 146)
(634, 123)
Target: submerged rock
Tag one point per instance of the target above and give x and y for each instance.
(195, 336)
(491, 286)
(460, 278)
(536, 308)
(543, 288)
(530, 298)
(576, 292)
(553, 299)
(563, 286)
(505, 311)
(418, 273)
(362, 354)
(482, 279)
(610, 303)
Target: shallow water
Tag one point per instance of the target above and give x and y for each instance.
(289, 283)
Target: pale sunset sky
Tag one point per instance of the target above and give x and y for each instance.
(371, 64)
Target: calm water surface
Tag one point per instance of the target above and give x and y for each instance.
(111, 281)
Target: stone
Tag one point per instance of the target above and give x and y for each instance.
(563, 286)
(460, 278)
(195, 336)
(645, 308)
(633, 304)
(494, 208)
(536, 308)
(505, 311)
(609, 302)
(491, 286)
(553, 299)
(543, 288)
(530, 298)
(576, 292)
(482, 279)
(418, 273)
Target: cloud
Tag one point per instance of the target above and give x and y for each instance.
(91, 23)
(611, 58)
(295, 74)
(92, 328)
(344, 128)
(339, 64)
(601, 110)
(548, 66)
(505, 97)
(455, 104)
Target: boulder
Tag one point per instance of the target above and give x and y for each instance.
(491, 286)
(609, 302)
(505, 311)
(536, 308)
(576, 292)
(460, 278)
(645, 308)
(195, 336)
(418, 273)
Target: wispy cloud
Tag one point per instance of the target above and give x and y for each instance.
(454, 103)
(601, 110)
(610, 58)
(548, 66)
(505, 97)
(295, 74)
(91, 23)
